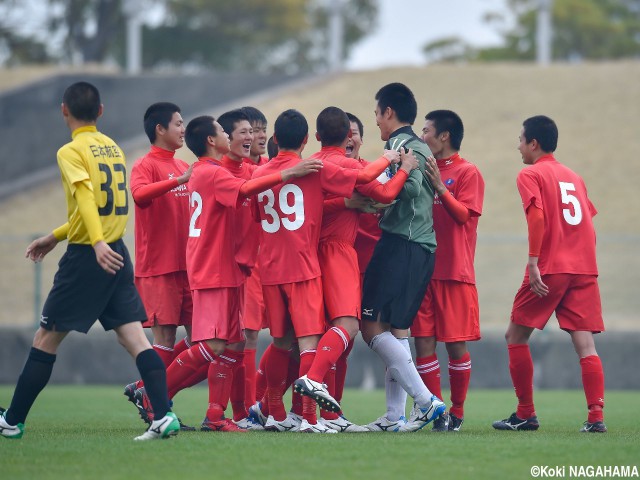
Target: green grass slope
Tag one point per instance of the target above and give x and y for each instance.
(596, 106)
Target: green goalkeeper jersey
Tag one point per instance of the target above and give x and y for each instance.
(411, 215)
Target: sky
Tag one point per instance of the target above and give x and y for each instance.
(404, 26)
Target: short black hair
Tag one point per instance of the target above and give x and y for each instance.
(332, 126)
(197, 132)
(447, 121)
(159, 113)
(272, 148)
(229, 119)
(254, 115)
(400, 99)
(542, 129)
(83, 101)
(290, 129)
(356, 120)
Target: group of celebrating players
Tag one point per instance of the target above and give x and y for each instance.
(316, 249)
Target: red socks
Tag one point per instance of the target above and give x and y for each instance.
(187, 364)
(238, 386)
(330, 380)
(261, 378)
(250, 377)
(308, 404)
(220, 377)
(332, 344)
(429, 370)
(593, 384)
(165, 353)
(181, 346)
(341, 372)
(276, 366)
(521, 370)
(459, 375)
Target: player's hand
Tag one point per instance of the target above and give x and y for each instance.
(305, 167)
(433, 172)
(409, 160)
(109, 260)
(392, 155)
(359, 202)
(535, 279)
(40, 247)
(184, 178)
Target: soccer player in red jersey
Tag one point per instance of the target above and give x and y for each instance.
(561, 274)
(214, 274)
(237, 161)
(338, 259)
(449, 312)
(254, 316)
(291, 216)
(161, 219)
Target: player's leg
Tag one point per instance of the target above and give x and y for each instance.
(34, 377)
(580, 313)
(521, 371)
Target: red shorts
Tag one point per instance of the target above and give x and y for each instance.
(340, 280)
(253, 311)
(296, 305)
(449, 312)
(574, 298)
(216, 314)
(166, 299)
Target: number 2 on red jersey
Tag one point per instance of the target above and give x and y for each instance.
(290, 202)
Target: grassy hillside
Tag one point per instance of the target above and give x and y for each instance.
(596, 106)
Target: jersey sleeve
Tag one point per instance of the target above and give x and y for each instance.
(337, 180)
(141, 175)
(227, 187)
(529, 189)
(73, 169)
(470, 192)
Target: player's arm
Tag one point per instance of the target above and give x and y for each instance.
(371, 171)
(37, 249)
(387, 192)
(457, 210)
(535, 226)
(260, 184)
(109, 260)
(143, 195)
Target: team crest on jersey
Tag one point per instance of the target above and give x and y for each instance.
(449, 182)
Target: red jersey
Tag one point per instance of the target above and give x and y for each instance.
(212, 228)
(261, 161)
(340, 225)
(161, 227)
(569, 241)
(366, 238)
(291, 216)
(457, 243)
(248, 231)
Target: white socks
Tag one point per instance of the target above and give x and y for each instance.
(396, 395)
(400, 367)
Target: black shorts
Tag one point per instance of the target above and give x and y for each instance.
(83, 292)
(396, 281)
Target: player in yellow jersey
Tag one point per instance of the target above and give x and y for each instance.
(95, 276)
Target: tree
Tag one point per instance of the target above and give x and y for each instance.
(248, 35)
(284, 35)
(582, 29)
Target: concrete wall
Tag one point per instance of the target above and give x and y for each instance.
(32, 130)
(98, 359)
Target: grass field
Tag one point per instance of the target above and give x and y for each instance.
(86, 432)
